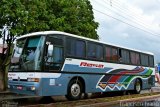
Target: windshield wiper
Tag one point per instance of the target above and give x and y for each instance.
(22, 63)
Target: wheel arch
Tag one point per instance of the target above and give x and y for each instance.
(137, 89)
(140, 81)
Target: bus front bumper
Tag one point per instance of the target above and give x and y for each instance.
(27, 88)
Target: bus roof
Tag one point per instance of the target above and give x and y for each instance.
(76, 36)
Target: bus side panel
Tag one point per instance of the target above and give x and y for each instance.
(58, 86)
(92, 86)
(118, 76)
(55, 86)
(148, 83)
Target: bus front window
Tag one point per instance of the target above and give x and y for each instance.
(27, 54)
(17, 51)
(31, 56)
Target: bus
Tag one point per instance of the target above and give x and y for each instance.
(52, 63)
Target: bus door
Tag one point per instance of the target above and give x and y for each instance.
(54, 53)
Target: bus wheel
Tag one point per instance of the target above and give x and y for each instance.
(74, 90)
(137, 86)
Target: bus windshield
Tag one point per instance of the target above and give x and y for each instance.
(18, 50)
(28, 53)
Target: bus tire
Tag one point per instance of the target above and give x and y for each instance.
(137, 86)
(74, 91)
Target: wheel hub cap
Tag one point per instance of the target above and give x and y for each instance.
(138, 87)
(75, 90)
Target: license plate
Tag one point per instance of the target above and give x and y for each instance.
(19, 88)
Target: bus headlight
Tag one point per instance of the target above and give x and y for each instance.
(33, 88)
(33, 79)
(10, 78)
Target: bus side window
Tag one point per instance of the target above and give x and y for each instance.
(124, 56)
(114, 54)
(75, 48)
(108, 53)
(151, 61)
(135, 58)
(95, 51)
(54, 53)
(144, 60)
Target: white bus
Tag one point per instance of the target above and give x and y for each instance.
(57, 63)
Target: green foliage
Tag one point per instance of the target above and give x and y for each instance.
(72, 16)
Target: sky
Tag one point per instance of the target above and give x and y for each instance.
(129, 23)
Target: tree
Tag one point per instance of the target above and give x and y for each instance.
(72, 16)
(25, 16)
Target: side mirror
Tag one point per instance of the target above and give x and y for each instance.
(17, 50)
(50, 50)
(49, 53)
